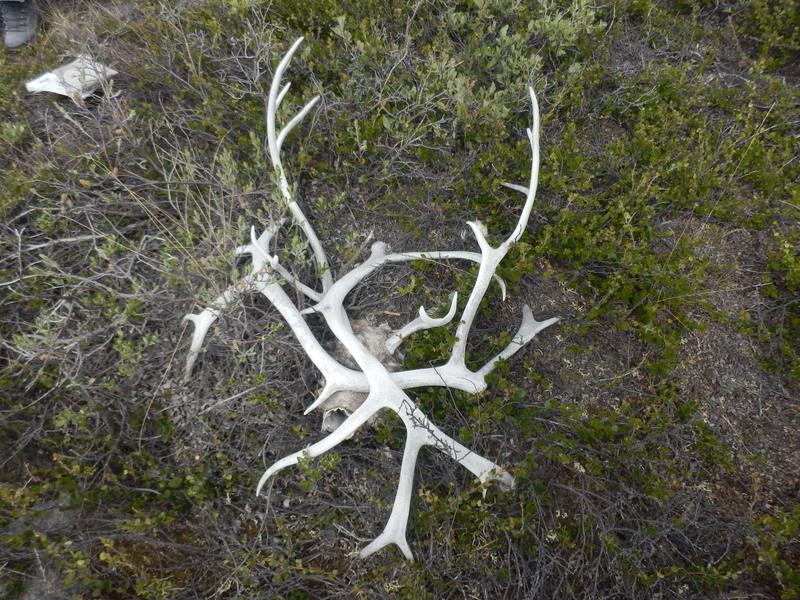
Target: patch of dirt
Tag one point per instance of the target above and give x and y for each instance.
(751, 411)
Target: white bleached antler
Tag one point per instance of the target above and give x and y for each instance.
(380, 387)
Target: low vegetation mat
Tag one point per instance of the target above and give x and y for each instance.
(652, 433)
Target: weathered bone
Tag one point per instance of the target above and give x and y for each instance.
(352, 397)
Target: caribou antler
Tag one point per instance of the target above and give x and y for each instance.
(374, 384)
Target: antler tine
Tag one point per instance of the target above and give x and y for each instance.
(276, 95)
(207, 317)
(202, 323)
(533, 137)
(297, 118)
(282, 94)
(423, 321)
(395, 530)
(526, 332)
(373, 404)
(275, 141)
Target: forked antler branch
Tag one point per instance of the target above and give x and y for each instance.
(275, 142)
(382, 388)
